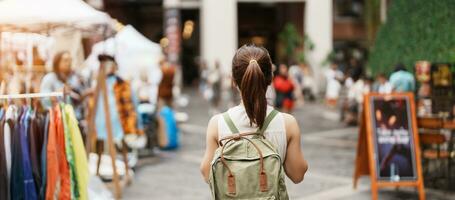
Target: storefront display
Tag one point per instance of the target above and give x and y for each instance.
(442, 87)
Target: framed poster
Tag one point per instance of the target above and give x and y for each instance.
(393, 139)
(388, 149)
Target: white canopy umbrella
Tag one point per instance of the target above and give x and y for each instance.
(136, 57)
(133, 52)
(38, 15)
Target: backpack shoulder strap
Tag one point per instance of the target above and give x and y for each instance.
(230, 123)
(267, 120)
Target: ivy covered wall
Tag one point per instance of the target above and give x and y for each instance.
(414, 30)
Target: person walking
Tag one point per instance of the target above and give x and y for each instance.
(284, 88)
(214, 81)
(333, 76)
(252, 74)
(297, 77)
(402, 80)
(382, 85)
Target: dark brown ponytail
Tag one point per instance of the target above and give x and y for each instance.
(252, 73)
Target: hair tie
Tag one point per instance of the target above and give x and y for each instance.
(253, 60)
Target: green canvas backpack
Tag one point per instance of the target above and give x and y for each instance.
(247, 166)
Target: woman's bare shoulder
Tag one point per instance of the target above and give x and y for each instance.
(212, 127)
(291, 124)
(289, 119)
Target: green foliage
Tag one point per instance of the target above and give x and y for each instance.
(292, 42)
(291, 39)
(415, 30)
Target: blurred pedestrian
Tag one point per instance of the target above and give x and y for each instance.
(62, 78)
(297, 77)
(284, 90)
(203, 78)
(252, 73)
(402, 80)
(214, 81)
(382, 85)
(333, 76)
(343, 101)
(355, 99)
(167, 82)
(309, 85)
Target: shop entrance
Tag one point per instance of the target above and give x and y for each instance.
(261, 24)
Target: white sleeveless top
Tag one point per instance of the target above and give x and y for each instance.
(275, 132)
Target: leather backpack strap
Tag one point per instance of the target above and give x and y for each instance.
(230, 123)
(267, 120)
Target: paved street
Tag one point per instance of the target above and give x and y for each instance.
(328, 146)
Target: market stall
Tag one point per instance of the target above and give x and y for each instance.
(53, 19)
(44, 15)
(64, 23)
(435, 105)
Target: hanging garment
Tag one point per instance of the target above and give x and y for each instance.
(10, 114)
(36, 142)
(65, 184)
(100, 119)
(4, 182)
(52, 168)
(80, 156)
(17, 168)
(69, 154)
(29, 183)
(44, 159)
(126, 105)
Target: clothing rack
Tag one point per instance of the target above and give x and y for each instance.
(32, 95)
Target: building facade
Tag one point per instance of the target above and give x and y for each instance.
(219, 27)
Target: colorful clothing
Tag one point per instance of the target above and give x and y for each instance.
(79, 154)
(115, 116)
(69, 154)
(44, 159)
(284, 89)
(65, 184)
(402, 81)
(100, 119)
(167, 82)
(172, 131)
(53, 172)
(126, 106)
(29, 183)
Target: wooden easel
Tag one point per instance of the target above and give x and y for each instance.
(365, 163)
(101, 89)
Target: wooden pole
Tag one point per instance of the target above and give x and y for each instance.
(91, 132)
(110, 140)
